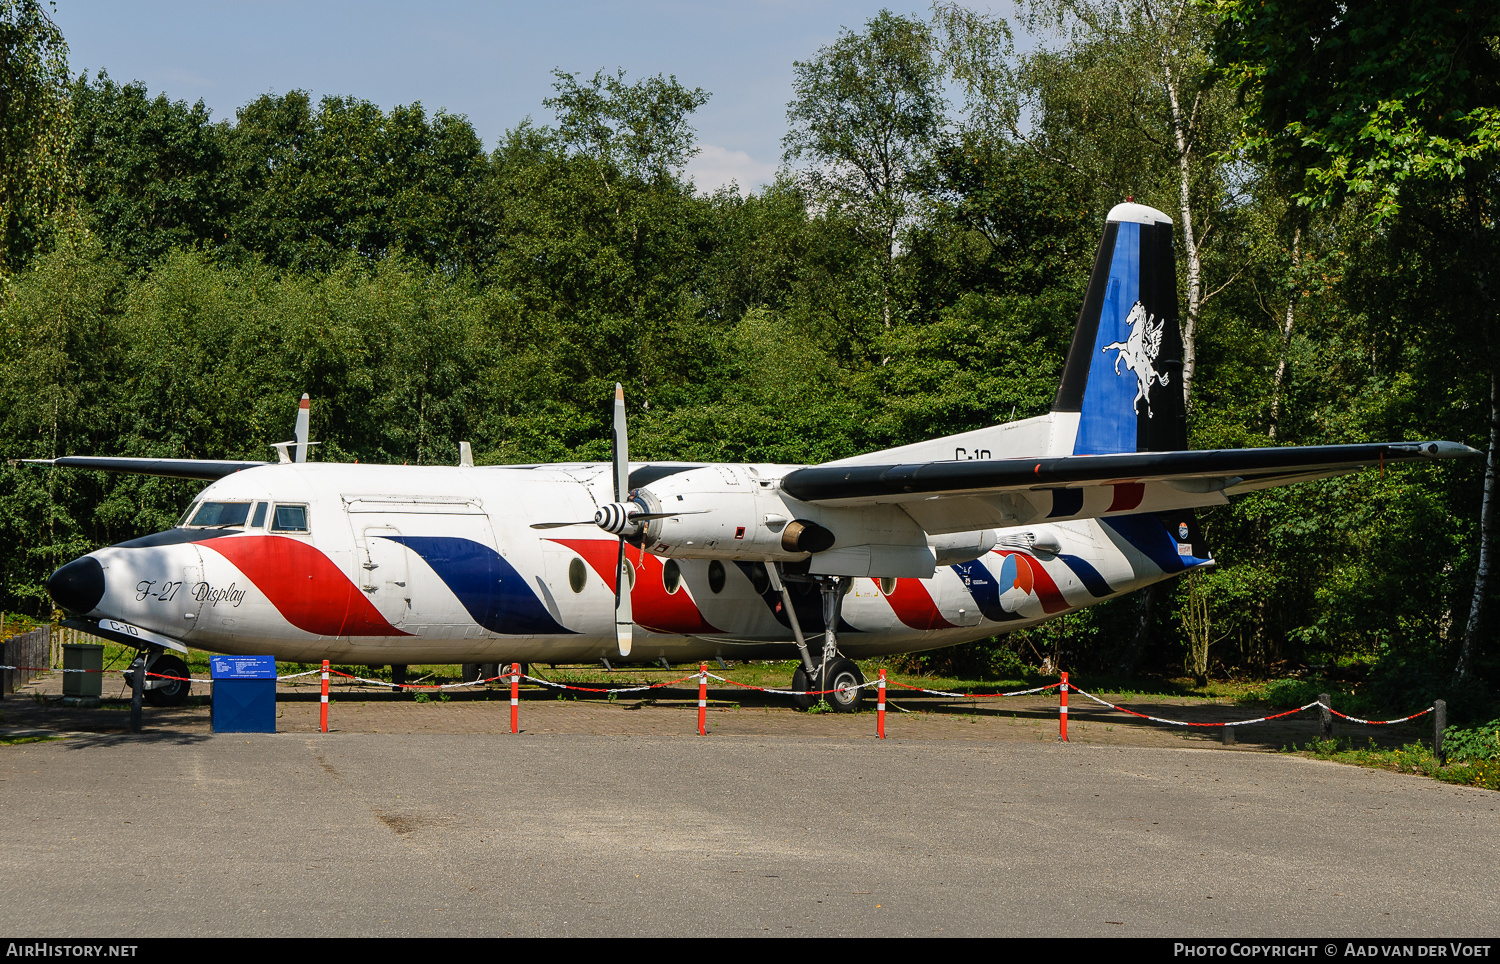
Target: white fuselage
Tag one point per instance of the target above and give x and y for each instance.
(398, 564)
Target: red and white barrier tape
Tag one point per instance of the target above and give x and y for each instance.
(1355, 719)
(1161, 719)
(979, 696)
(1262, 719)
(704, 676)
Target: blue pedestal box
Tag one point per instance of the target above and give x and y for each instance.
(244, 694)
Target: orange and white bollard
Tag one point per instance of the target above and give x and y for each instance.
(323, 710)
(1062, 707)
(703, 699)
(515, 697)
(880, 707)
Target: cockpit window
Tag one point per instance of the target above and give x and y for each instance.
(289, 518)
(220, 514)
(259, 518)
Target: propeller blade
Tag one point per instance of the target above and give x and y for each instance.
(559, 525)
(300, 432)
(622, 447)
(624, 621)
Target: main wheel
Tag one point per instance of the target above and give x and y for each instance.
(802, 683)
(470, 673)
(170, 692)
(843, 677)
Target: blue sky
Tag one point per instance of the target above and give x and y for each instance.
(492, 61)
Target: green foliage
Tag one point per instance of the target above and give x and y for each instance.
(866, 116)
(919, 276)
(1359, 99)
(348, 180)
(1414, 758)
(153, 174)
(34, 176)
(639, 130)
(1477, 743)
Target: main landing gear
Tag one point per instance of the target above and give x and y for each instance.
(832, 671)
(474, 672)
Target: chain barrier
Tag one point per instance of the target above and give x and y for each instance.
(1259, 719)
(702, 676)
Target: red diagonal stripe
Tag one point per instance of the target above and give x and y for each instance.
(304, 585)
(913, 605)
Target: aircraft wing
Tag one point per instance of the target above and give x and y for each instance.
(205, 469)
(955, 496)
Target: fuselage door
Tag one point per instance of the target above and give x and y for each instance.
(384, 575)
(191, 592)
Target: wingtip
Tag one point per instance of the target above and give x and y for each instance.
(1444, 450)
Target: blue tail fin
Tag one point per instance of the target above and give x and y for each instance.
(1124, 370)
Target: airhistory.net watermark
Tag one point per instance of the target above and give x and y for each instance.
(49, 949)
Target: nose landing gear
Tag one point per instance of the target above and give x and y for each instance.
(156, 690)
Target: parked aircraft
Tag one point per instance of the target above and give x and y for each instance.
(908, 549)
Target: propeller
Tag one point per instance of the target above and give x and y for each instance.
(618, 518)
(624, 517)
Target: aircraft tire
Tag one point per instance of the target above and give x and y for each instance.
(844, 672)
(470, 672)
(800, 681)
(489, 670)
(172, 692)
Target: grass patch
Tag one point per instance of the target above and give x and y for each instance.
(18, 740)
(1283, 694)
(1414, 758)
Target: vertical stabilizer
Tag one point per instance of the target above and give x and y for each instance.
(1124, 371)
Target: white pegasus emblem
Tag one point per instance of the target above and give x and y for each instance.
(1139, 352)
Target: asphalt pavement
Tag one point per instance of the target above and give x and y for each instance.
(180, 832)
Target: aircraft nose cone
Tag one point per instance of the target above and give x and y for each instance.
(78, 586)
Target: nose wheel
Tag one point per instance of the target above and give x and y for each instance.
(158, 691)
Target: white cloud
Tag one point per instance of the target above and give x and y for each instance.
(715, 167)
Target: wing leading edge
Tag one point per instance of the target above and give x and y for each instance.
(204, 469)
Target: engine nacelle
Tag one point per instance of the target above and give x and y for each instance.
(726, 511)
(957, 547)
(740, 512)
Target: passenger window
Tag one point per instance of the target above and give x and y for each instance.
(259, 518)
(289, 518)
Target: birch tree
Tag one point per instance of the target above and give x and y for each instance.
(1121, 94)
(1377, 102)
(867, 114)
(34, 127)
